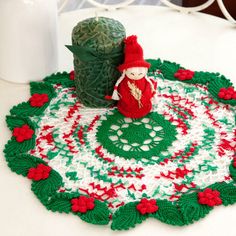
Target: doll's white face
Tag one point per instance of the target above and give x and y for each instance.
(136, 73)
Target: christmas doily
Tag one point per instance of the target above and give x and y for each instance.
(175, 164)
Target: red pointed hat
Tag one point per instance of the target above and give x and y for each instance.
(133, 54)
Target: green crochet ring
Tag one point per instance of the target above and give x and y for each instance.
(107, 168)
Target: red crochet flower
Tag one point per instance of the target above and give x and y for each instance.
(40, 172)
(72, 75)
(82, 204)
(181, 173)
(38, 100)
(227, 93)
(183, 74)
(147, 206)
(209, 197)
(22, 133)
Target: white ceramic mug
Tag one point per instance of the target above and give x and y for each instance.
(28, 39)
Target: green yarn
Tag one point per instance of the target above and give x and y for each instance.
(227, 192)
(22, 163)
(24, 109)
(168, 213)
(60, 202)
(72, 175)
(191, 209)
(155, 64)
(45, 188)
(168, 69)
(13, 122)
(136, 138)
(214, 81)
(13, 147)
(60, 78)
(98, 216)
(127, 217)
(215, 86)
(201, 77)
(95, 78)
(61, 205)
(209, 137)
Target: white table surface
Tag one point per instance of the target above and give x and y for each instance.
(197, 41)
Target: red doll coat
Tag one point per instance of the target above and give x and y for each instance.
(128, 105)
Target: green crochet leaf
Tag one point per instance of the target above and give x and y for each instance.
(98, 216)
(168, 69)
(44, 189)
(201, 77)
(24, 109)
(227, 192)
(215, 86)
(232, 171)
(191, 209)
(13, 122)
(60, 202)
(127, 217)
(60, 205)
(41, 87)
(21, 164)
(13, 147)
(60, 78)
(168, 213)
(155, 64)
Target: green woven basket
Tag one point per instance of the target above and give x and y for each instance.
(97, 45)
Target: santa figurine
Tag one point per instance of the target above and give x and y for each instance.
(134, 90)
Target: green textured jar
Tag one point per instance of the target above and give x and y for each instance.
(97, 45)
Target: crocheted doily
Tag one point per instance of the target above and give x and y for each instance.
(175, 164)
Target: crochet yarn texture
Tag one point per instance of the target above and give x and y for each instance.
(175, 164)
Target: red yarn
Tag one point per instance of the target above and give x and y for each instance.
(227, 93)
(181, 173)
(133, 54)
(192, 149)
(38, 100)
(72, 75)
(40, 172)
(128, 105)
(22, 133)
(82, 204)
(147, 206)
(209, 197)
(234, 95)
(183, 74)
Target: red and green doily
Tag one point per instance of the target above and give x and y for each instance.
(175, 165)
